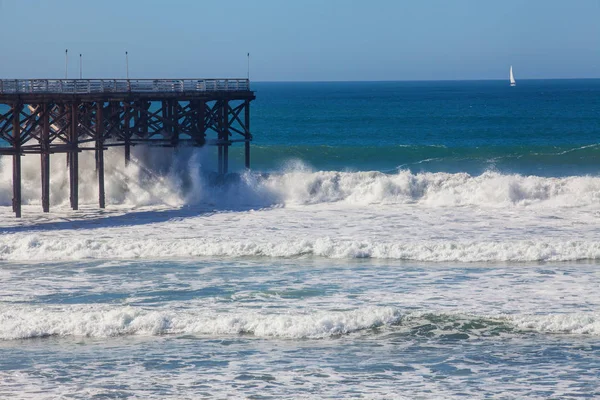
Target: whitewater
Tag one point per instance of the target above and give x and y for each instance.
(301, 212)
(464, 267)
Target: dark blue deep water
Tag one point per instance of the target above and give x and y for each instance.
(540, 127)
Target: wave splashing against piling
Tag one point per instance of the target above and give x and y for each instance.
(154, 176)
(161, 177)
(180, 210)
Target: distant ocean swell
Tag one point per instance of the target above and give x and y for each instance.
(23, 322)
(530, 159)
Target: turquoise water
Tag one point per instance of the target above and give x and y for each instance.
(540, 127)
(537, 127)
(393, 240)
(291, 328)
(448, 113)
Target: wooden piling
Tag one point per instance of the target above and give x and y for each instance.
(136, 118)
(164, 105)
(45, 157)
(174, 119)
(74, 158)
(220, 136)
(200, 124)
(225, 134)
(144, 129)
(247, 135)
(99, 148)
(16, 131)
(220, 159)
(127, 131)
(162, 113)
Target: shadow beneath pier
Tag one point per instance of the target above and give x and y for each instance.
(111, 218)
(115, 218)
(223, 195)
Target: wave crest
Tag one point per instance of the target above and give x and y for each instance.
(34, 247)
(30, 322)
(24, 322)
(176, 180)
(432, 189)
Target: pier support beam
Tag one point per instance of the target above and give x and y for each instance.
(45, 158)
(225, 159)
(43, 117)
(200, 134)
(220, 137)
(247, 135)
(225, 133)
(100, 152)
(127, 131)
(74, 159)
(16, 131)
(17, 184)
(174, 105)
(143, 125)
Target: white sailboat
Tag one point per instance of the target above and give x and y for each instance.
(512, 78)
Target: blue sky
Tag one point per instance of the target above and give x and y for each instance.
(302, 40)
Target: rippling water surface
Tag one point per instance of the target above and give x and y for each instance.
(393, 240)
(302, 327)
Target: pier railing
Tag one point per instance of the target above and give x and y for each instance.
(90, 86)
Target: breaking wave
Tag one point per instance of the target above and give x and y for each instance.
(432, 189)
(181, 183)
(158, 177)
(34, 247)
(24, 322)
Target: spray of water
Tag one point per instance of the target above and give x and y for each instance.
(174, 178)
(154, 176)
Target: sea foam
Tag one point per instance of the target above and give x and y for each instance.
(23, 322)
(102, 321)
(159, 178)
(39, 248)
(177, 210)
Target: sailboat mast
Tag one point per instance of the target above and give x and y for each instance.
(511, 77)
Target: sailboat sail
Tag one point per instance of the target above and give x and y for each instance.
(512, 78)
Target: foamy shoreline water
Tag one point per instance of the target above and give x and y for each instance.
(298, 212)
(18, 322)
(38, 248)
(441, 242)
(246, 326)
(331, 230)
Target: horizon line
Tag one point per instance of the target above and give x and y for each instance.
(421, 80)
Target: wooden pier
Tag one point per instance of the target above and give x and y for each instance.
(48, 116)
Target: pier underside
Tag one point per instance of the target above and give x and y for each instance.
(50, 123)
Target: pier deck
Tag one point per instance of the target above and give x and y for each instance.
(47, 116)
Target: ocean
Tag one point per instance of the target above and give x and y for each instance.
(393, 240)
